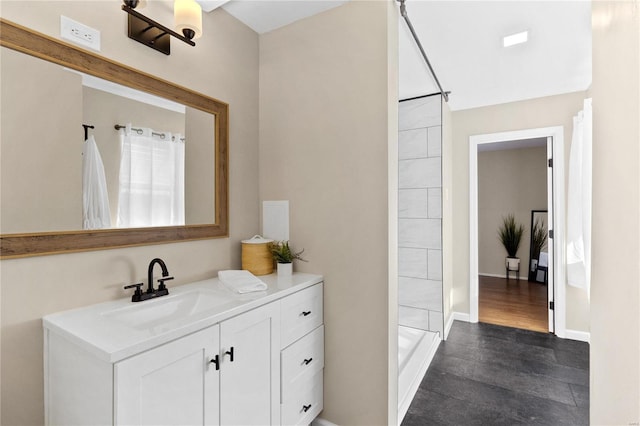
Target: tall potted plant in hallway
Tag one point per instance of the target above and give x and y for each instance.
(510, 234)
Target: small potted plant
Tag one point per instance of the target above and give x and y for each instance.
(284, 257)
(510, 234)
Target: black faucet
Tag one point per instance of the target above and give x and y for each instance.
(162, 290)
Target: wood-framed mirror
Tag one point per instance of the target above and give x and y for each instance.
(16, 243)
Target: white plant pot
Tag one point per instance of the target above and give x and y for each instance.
(285, 269)
(513, 263)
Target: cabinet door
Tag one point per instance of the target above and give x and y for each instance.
(249, 380)
(173, 384)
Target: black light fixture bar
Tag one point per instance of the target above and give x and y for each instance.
(140, 30)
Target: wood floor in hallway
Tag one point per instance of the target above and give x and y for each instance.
(513, 303)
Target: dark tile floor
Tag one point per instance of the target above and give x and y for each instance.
(487, 374)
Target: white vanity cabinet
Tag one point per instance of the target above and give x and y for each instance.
(302, 356)
(174, 384)
(250, 367)
(229, 365)
(179, 383)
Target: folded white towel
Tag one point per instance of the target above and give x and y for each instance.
(241, 281)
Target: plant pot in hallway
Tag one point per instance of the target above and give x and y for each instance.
(513, 263)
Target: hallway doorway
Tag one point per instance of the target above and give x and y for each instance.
(513, 183)
(554, 304)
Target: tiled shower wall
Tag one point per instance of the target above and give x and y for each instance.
(420, 214)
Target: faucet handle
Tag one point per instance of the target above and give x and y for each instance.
(162, 286)
(136, 294)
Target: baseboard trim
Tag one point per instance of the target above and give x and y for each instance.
(522, 277)
(461, 316)
(581, 336)
(455, 316)
(319, 421)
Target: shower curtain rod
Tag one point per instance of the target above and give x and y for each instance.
(139, 131)
(405, 15)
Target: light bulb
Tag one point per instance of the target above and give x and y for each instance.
(188, 18)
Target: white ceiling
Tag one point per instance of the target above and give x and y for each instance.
(267, 15)
(463, 40)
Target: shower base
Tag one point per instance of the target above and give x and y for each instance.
(416, 349)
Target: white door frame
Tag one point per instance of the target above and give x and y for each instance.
(559, 279)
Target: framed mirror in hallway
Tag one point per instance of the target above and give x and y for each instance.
(538, 252)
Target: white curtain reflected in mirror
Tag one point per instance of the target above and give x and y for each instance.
(151, 179)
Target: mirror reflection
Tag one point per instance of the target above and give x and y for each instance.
(147, 161)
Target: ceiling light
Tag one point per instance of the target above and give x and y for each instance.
(514, 39)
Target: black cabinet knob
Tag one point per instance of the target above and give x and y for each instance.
(307, 361)
(216, 361)
(306, 408)
(305, 313)
(230, 353)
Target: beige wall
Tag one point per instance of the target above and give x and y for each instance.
(34, 141)
(328, 105)
(224, 65)
(615, 285)
(199, 182)
(536, 113)
(512, 181)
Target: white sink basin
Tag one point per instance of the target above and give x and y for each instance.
(167, 312)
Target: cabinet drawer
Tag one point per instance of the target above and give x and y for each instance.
(306, 403)
(301, 313)
(302, 361)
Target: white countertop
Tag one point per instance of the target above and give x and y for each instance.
(113, 330)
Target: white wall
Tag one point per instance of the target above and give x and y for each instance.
(223, 65)
(615, 286)
(328, 114)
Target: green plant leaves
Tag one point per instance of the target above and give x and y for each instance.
(282, 253)
(510, 234)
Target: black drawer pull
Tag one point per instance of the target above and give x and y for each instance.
(215, 360)
(305, 313)
(308, 361)
(230, 353)
(306, 408)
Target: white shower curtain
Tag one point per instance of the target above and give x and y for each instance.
(579, 201)
(95, 199)
(151, 189)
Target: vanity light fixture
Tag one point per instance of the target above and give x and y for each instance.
(188, 19)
